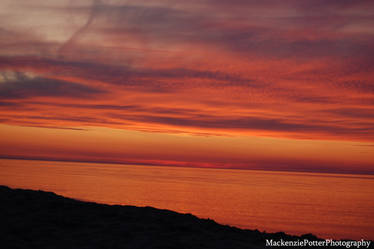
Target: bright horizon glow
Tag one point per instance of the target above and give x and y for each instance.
(121, 146)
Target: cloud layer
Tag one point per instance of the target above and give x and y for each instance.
(296, 69)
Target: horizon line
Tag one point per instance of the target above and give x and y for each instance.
(337, 172)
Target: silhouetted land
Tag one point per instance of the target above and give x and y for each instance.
(38, 219)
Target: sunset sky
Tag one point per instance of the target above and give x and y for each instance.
(278, 85)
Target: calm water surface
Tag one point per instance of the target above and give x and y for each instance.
(329, 205)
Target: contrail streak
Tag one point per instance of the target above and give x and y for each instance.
(94, 11)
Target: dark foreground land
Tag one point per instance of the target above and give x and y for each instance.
(38, 219)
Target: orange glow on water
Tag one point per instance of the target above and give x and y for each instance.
(328, 205)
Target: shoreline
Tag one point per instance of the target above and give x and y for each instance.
(46, 220)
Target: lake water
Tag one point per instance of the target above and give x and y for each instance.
(328, 205)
